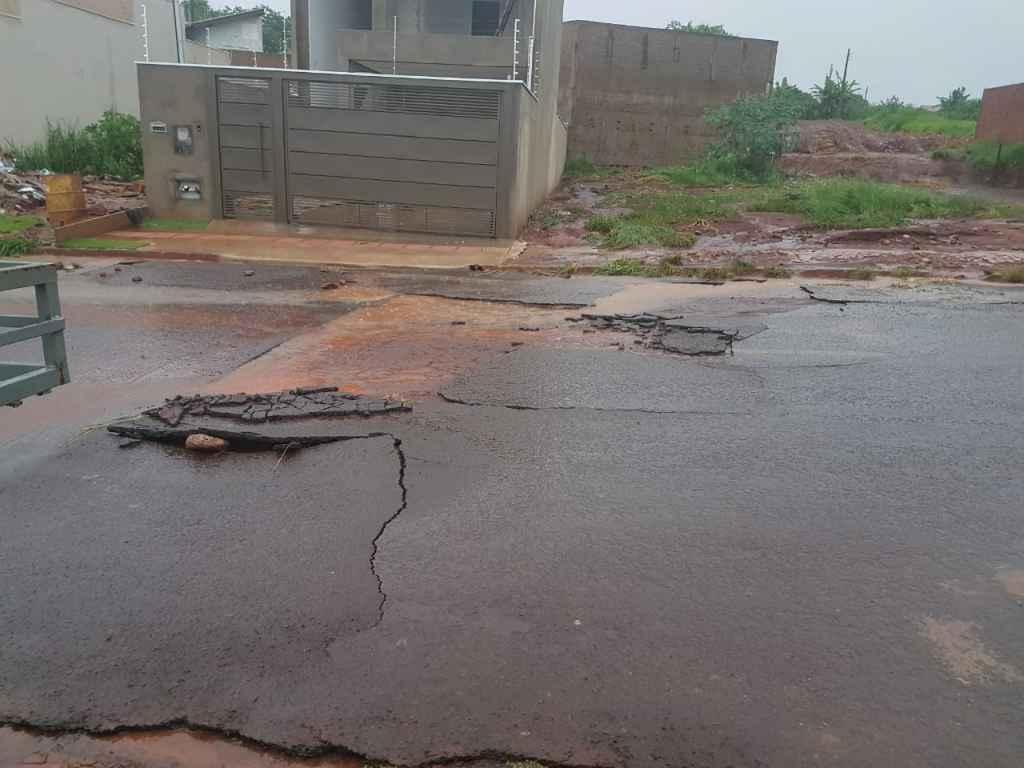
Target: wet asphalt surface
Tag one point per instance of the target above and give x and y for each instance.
(806, 553)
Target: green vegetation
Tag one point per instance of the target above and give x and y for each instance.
(175, 225)
(581, 167)
(15, 225)
(1008, 274)
(857, 204)
(839, 97)
(12, 225)
(111, 146)
(15, 246)
(716, 170)
(699, 29)
(102, 244)
(899, 118)
(985, 156)
(753, 133)
(959, 105)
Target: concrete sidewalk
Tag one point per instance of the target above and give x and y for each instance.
(256, 241)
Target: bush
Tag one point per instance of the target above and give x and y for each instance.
(754, 132)
(712, 171)
(111, 146)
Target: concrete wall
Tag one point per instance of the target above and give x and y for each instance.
(1002, 115)
(200, 54)
(637, 96)
(65, 64)
(172, 95)
(376, 145)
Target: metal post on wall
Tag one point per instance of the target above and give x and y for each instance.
(284, 44)
(515, 51)
(394, 49)
(177, 34)
(531, 48)
(209, 48)
(145, 33)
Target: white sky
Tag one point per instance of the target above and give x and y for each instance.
(915, 49)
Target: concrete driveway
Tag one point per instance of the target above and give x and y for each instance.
(577, 548)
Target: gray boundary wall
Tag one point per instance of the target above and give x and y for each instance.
(637, 96)
(440, 155)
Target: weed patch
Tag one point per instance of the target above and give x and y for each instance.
(112, 146)
(15, 246)
(777, 272)
(856, 204)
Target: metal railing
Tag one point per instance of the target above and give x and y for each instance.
(21, 380)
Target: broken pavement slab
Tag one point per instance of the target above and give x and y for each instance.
(299, 403)
(677, 334)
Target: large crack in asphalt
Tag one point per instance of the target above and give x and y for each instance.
(593, 409)
(255, 442)
(402, 467)
(293, 753)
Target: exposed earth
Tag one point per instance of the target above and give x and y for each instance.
(626, 522)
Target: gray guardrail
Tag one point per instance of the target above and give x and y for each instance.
(21, 380)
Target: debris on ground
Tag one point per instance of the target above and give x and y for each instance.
(676, 334)
(202, 443)
(324, 402)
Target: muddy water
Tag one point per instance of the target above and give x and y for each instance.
(166, 749)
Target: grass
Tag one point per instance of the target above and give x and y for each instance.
(1009, 274)
(581, 167)
(15, 246)
(857, 204)
(103, 244)
(175, 225)
(982, 155)
(12, 225)
(671, 266)
(915, 120)
(709, 172)
(777, 272)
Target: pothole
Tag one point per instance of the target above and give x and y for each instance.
(676, 335)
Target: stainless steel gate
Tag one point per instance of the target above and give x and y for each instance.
(246, 147)
(392, 156)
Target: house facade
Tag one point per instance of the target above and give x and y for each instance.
(71, 60)
(233, 32)
(459, 137)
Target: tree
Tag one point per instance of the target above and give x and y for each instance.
(839, 97)
(699, 29)
(802, 103)
(959, 105)
(753, 133)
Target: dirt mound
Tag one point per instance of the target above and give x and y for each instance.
(829, 137)
(878, 166)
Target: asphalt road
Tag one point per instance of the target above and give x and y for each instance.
(807, 553)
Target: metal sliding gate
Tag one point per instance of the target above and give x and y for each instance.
(246, 147)
(392, 156)
(389, 156)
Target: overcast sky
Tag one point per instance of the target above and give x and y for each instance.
(914, 49)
